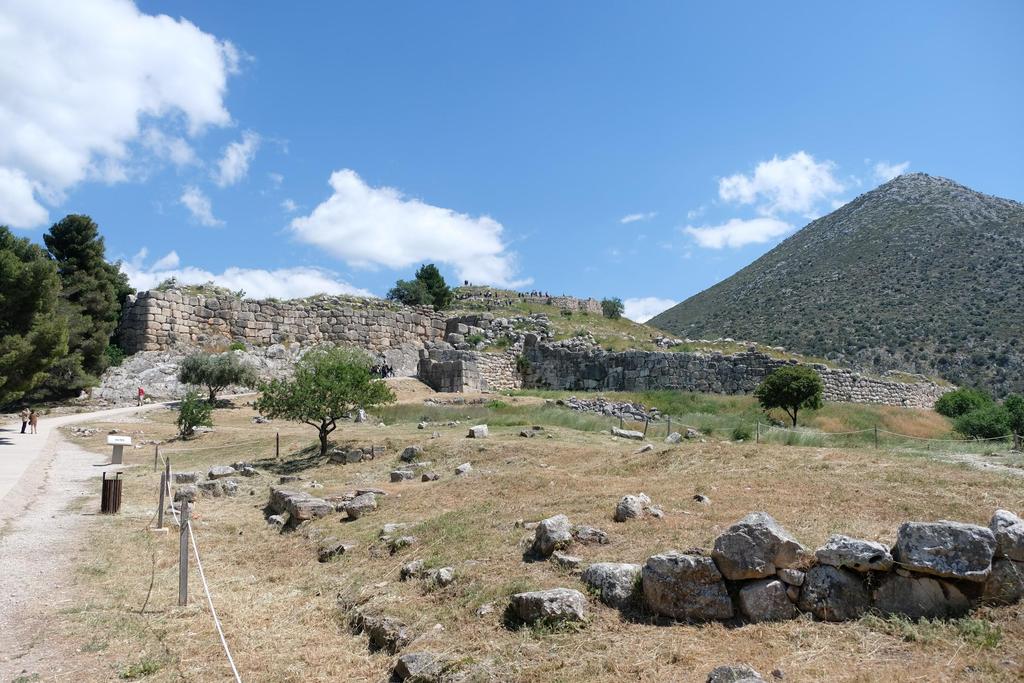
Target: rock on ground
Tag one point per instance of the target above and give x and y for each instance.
(411, 453)
(220, 471)
(628, 434)
(616, 582)
(588, 535)
(331, 548)
(553, 533)
(1005, 585)
(833, 594)
(1008, 529)
(551, 606)
(463, 469)
(685, 587)
(566, 561)
(917, 597)
(766, 600)
(361, 505)
(631, 507)
(946, 549)
(861, 556)
(734, 674)
(186, 493)
(478, 432)
(755, 547)
(385, 633)
(421, 667)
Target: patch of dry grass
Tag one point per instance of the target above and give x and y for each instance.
(279, 605)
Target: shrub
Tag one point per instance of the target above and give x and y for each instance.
(988, 422)
(236, 346)
(566, 313)
(522, 364)
(475, 338)
(791, 388)
(961, 401)
(741, 433)
(193, 412)
(215, 372)
(114, 354)
(612, 308)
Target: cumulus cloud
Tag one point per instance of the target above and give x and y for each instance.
(173, 148)
(378, 226)
(77, 81)
(884, 171)
(738, 232)
(282, 283)
(795, 184)
(234, 163)
(198, 204)
(634, 217)
(644, 308)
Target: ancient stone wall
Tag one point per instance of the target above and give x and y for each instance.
(497, 298)
(163, 320)
(457, 371)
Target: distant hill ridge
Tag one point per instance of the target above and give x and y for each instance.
(920, 274)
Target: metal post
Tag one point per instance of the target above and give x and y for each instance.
(646, 423)
(669, 430)
(277, 446)
(160, 510)
(183, 555)
(156, 457)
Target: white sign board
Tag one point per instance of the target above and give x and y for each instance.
(115, 440)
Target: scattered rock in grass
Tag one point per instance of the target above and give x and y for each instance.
(360, 415)
(212, 489)
(946, 549)
(920, 597)
(299, 505)
(396, 544)
(635, 507)
(442, 577)
(755, 547)
(553, 606)
(463, 469)
(734, 674)
(430, 476)
(289, 478)
(277, 520)
(186, 477)
(411, 570)
(331, 548)
(589, 535)
(702, 499)
(376, 492)
(230, 487)
(411, 453)
(419, 667)
(645, 448)
(220, 471)
(553, 533)
(314, 484)
(833, 594)
(685, 587)
(402, 475)
(361, 505)
(627, 434)
(674, 437)
(792, 577)
(186, 493)
(421, 425)
(435, 435)
(247, 471)
(691, 433)
(386, 633)
(478, 432)
(1005, 584)
(852, 553)
(346, 457)
(1008, 529)
(566, 561)
(485, 609)
(766, 600)
(615, 582)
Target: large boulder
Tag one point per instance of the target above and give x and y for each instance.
(421, 667)
(635, 507)
(755, 547)
(478, 432)
(919, 597)
(553, 533)
(386, 633)
(950, 550)
(628, 434)
(360, 505)
(550, 606)
(615, 582)
(852, 553)
(685, 587)
(220, 471)
(1005, 585)
(766, 600)
(833, 594)
(411, 453)
(186, 493)
(1008, 529)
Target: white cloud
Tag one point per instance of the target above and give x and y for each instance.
(173, 148)
(289, 206)
(234, 164)
(794, 184)
(77, 79)
(275, 179)
(634, 217)
(644, 308)
(378, 226)
(738, 232)
(282, 283)
(884, 171)
(199, 206)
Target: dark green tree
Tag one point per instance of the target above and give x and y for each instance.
(791, 388)
(441, 295)
(193, 412)
(991, 421)
(215, 372)
(92, 292)
(1014, 406)
(32, 336)
(411, 293)
(327, 384)
(612, 308)
(959, 402)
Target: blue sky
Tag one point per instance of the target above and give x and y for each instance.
(643, 150)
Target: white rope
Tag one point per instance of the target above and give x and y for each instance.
(209, 601)
(208, 448)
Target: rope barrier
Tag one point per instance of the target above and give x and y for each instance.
(212, 448)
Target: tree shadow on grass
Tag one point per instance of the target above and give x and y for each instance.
(293, 463)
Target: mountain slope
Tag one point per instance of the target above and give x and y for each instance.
(920, 274)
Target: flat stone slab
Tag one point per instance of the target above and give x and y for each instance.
(852, 553)
(628, 434)
(950, 550)
(555, 605)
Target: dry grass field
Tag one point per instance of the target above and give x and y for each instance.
(285, 614)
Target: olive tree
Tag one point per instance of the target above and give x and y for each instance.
(791, 388)
(327, 384)
(215, 372)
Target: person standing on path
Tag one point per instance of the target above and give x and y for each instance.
(24, 419)
(142, 395)
(33, 420)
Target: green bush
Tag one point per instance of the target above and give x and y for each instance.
(114, 354)
(961, 401)
(791, 388)
(215, 372)
(236, 346)
(522, 364)
(475, 338)
(193, 412)
(988, 422)
(612, 308)
(741, 433)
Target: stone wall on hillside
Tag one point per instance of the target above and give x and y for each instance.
(457, 371)
(496, 298)
(164, 320)
(556, 366)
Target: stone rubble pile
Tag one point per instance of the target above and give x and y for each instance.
(477, 331)
(637, 412)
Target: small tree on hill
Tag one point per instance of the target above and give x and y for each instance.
(991, 421)
(193, 412)
(327, 384)
(410, 293)
(791, 388)
(1014, 406)
(427, 289)
(215, 372)
(959, 402)
(612, 308)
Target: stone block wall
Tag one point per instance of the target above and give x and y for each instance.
(450, 370)
(162, 320)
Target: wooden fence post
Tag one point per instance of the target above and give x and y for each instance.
(277, 446)
(183, 555)
(646, 423)
(160, 510)
(669, 430)
(620, 422)
(876, 436)
(156, 457)
(757, 428)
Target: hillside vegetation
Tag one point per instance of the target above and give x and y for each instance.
(920, 274)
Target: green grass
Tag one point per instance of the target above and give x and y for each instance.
(971, 631)
(495, 414)
(147, 666)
